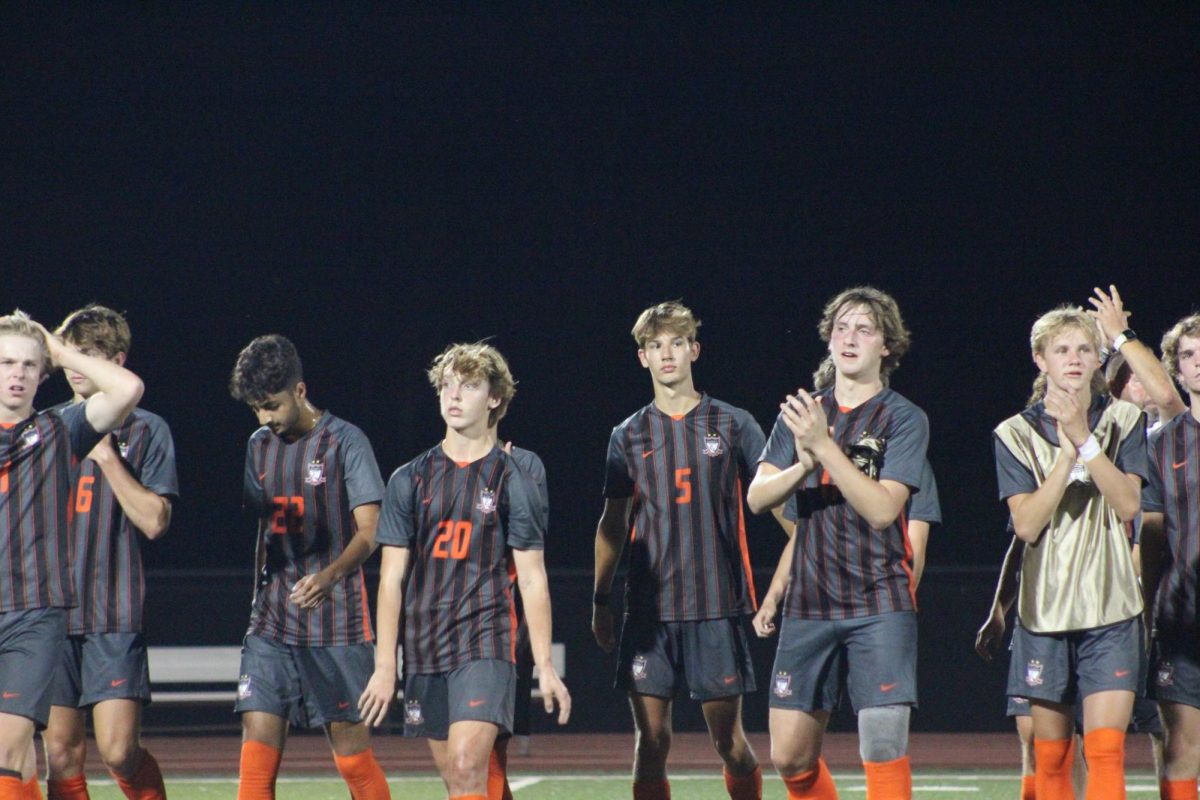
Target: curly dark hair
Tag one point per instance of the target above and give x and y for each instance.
(267, 365)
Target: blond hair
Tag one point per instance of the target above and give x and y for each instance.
(671, 317)
(480, 361)
(1048, 327)
(18, 323)
(1188, 326)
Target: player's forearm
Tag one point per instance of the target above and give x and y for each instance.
(783, 573)
(117, 389)
(868, 497)
(1031, 512)
(1006, 584)
(1154, 378)
(773, 486)
(1121, 491)
(535, 595)
(149, 512)
(360, 548)
(388, 607)
(609, 542)
(1154, 555)
(918, 538)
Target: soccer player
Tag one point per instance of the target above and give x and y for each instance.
(1172, 526)
(851, 454)
(36, 454)
(313, 484)
(1070, 468)
(124, 492)
(673, 488)
(456, 522)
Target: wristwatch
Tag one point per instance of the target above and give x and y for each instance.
(1124, 336)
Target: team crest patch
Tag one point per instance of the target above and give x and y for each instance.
(638, 668)
(123, 449)
(712, 445)
(782, 685)
(1166, 674)
(412, 713)
(316, 473)
(29, 438)
(244, 689)
(1033, 673)
(867, 454)
(487, 501)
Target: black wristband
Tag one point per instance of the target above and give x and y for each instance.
(600, 599)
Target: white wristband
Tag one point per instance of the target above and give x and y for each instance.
(1119, 341)
(1089, 449)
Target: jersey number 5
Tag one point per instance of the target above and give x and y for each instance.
(684, 484)
(457, 534)
(289, 511)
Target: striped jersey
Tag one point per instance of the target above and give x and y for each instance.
(1173, 489)
(923, 503)
(110, 584)
(37, 459)
(843, 568)
(304, 494)
(688, 558)
(459, 520)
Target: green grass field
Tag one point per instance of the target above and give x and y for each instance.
(977, 786)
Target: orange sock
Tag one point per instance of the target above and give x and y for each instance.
(1028, 788)
(1052, 768)
(257, 771)
(1177, 790)
(815, 784)
(652, 790)
(67, 788)
(1104, 749)
(30, 789)
(363, 775)
(147, 782)
(889, 780)
(10, 788)
(744, 787)
(497, 784)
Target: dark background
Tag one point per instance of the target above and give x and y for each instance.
(376, 183)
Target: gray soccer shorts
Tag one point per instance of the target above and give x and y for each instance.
(1059, 667)
(481, 691)
(94, 667)
(30, 645)
(1175, 673)
(711, 657)
(874, 657)
(308, 686)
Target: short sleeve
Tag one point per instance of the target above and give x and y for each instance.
(157, 472)
(750, 444)
(924, 505)
(617, 481)
(535, 470)
(363, 482)
(1152, 488)
(908, 439)
(396, 518)
(780, 449)
(80, 431)
(524, 525)
(1131, 454)
(254, 499)
(1013, 476)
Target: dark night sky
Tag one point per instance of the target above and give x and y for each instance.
(376, 184)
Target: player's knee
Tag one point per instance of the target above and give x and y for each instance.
(64, 755)
(728, 743)
(120, 755)
(883, 733)
(792, 757)
(465, 767)
(653, 743)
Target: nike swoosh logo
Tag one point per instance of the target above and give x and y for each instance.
(1121, 673)
(887, 687)
(262, 475)
(730, 679)
(476, 703)
(1180, 464)
(426, 501)
(10, 695)
(118, 682)
(647, 454)
(344, 704)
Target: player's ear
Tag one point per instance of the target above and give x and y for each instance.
(493, 401)
(642, 358)
(1040, 361)
(119, 359)
(301, 391)
(694, 346)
